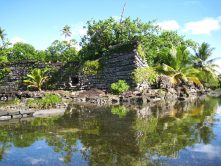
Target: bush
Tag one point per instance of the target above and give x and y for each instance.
(48, 101)
(119, 87)
(36, 78)
(91, 67)
(145, 75)
(3, 59)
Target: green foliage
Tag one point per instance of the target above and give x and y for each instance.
(180, 68)
(103, 34)
(120, 111)
(141, 52)
(4, 72)
(36, 78)
(208, 74)
(145, 75)
(91, 67)
(119, 87)
(3, 59)
(204, 51)
(61, 51)
(22, 51)
(208, 79)
(13, 102)
(48, 101)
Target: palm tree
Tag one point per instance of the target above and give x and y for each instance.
(36, 78)
(204, 52)
(180, 68)
(66, 31)
(203, 61)
(2, 36)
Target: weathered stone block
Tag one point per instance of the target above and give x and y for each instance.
(5, 117)
(16, 116)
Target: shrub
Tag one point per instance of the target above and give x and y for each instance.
(3, 59)
(48, 101)
(36, 78)
(141, 52)
(91, 67)
(145, 75)
(119, 87)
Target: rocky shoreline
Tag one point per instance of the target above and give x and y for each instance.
(98, 98)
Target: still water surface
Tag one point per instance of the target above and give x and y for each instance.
(185, 133)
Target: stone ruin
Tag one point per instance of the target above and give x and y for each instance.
(116, 66)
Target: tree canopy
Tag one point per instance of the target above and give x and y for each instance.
(156, 46)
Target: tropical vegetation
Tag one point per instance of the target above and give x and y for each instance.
(166, 52)
(48, 101)
(36, 78)
(119, 87)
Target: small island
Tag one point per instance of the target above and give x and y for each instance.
(128, 93)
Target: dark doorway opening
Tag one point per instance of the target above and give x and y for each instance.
(74, 80)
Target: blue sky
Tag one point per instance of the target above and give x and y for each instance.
(39, 22)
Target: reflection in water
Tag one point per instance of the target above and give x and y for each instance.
(163, 133)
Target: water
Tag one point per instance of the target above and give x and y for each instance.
(184, 133)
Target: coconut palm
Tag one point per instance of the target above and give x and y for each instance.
(66, 31)
(2, 34)
(204, 62)
(180, 69)
(2, 37)
(204, 52)
(36, 78)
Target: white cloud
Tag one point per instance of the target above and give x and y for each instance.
(169, 25)
(77, 47)
(205, 26)
(17, 39)
(210, 150)
(78, 30)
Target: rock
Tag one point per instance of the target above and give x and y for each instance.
(156, 99)
(92, 93)
(28, 112)
(5, 117)
(164, 82)
(49, 112)
(125, 100)
(137, 100)
(181, 98)
(3, 113)
(24, 115)
(16, 116)
(114, 101)
(14, 112)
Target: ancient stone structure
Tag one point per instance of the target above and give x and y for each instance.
(117, 65)
(14, 80)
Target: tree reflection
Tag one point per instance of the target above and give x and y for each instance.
(118, 136)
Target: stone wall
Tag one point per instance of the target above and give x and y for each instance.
(116, 66)
(14, 81)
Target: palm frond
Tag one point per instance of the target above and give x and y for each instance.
(195, 80)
